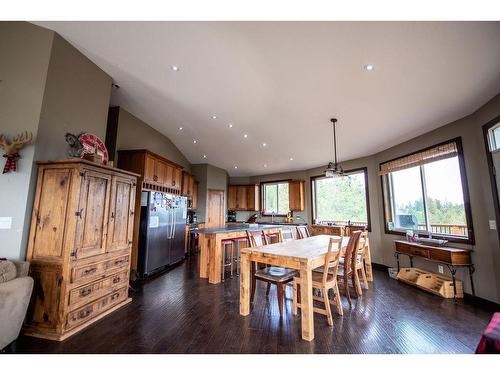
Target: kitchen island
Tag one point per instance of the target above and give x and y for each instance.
(211, 246)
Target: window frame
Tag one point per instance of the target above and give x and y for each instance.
(349, 171)
(465, 190)
(263, 196)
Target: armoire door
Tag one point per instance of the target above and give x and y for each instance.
(121, 214)
(92, 215)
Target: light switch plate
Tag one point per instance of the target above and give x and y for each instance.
(5, 222)
(440, 269)
(493, 225)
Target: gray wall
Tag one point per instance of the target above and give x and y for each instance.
(486, 254)
(25, 52)
(133, 133)
(49, 88)
(209, 177)
(76, 99)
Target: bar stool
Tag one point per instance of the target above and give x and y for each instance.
(236, 259)
(225, 244)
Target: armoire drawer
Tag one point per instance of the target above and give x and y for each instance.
(89, 292)
(93, 271)
(93, 309)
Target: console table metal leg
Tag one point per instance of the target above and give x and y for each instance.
(396, 255)
(453, 271)
(411, 261)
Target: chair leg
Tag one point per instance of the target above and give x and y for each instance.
(223, 262)
(356, 283)
(295, 285)
(365, 279)
(338, 302)
(327, 307)
(279, 286)
(268, 289)
(346, 291)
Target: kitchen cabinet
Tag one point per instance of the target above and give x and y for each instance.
(194, 199)
(243, 198)
(187, 184)
(296, 195)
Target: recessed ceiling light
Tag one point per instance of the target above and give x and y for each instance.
(235, 167)
(230, 126)
(204, 156)
(175, 68)
(180, 127)
(245, 135)
(265, 165)
(264, 144)
(369, 67)
(214, 117)
(195, 141)
(291, 159)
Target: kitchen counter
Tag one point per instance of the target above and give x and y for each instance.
(211, 246)
(239, 228)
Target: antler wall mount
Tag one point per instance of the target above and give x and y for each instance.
(11, 149)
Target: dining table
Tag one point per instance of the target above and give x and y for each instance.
(303, 255)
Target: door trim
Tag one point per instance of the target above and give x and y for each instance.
(223, 204)
(494, 187)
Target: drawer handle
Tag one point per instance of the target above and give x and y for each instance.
(89, 271)
(84, 313)
(116, 279)
(115, 296)
(85, 292)
(118, 262)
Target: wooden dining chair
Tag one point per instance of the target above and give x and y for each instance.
(324, 281)
(346, 270)
(278, 276)
(360, 262)
(303, 232)
(287, 234)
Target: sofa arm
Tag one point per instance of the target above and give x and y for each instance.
(22, 268)
(14, 300)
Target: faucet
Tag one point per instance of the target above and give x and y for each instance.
(272, 217)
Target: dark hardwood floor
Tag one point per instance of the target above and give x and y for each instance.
(179, 313)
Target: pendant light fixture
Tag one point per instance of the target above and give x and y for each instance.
(333, 169)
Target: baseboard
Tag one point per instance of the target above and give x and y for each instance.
(481, 303)
(380, 267)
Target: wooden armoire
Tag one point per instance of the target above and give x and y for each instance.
(79, 245)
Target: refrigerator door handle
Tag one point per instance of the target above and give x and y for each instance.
(174, 223)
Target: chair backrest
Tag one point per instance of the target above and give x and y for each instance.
(303, 232)
(351, 253)
(332, 259)
(256, 238)
(277, 236)
(287, 234)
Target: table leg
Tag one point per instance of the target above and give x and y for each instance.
(396, 255)
(204, 256)
(306, 301)
(453, 271)
(411, 261)
(244, 284)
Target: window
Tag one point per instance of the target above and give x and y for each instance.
(275, 196)
(341, 200)
(494, 137)
(427, 193)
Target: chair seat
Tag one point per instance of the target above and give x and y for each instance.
(317, 279)
(276, 274)
(358, 260)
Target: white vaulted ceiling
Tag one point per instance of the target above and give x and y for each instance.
(281, 82)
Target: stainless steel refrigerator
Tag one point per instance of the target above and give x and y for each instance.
(162, 231)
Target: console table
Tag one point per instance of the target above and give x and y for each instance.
(450, 257)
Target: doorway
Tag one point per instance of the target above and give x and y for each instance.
(215, 209)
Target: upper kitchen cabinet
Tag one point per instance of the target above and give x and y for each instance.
(296, 195)
(243, 198)
(187, 184)
(194, 200)
(157, 172)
